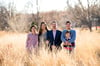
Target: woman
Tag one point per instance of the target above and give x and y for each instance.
(42, 34)
(72, 35)
(32, 40)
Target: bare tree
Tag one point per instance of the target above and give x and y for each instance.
(3, 18)
(30, 5)
(82, 13)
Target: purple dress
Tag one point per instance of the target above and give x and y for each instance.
(32, 41)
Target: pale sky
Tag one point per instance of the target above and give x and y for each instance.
(44, 5)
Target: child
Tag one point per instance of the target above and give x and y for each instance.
(67, 45)
(32, 40)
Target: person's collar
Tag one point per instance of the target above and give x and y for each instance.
(54, 29)
(68, 38)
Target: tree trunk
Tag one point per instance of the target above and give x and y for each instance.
(96, 25)
(90, 26)
(96, 28)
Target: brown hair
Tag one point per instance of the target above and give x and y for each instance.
(68, 22)
(40, 30)
(67, 32)
(32, 27)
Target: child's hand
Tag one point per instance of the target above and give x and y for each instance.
(47, 42)
(53, 46)
(64, 44)
(67, 43)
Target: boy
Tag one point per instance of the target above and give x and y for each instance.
(67, 45)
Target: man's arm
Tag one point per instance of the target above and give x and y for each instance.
(59, 41)
(47, 36)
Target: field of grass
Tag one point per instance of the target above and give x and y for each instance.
(13, 52)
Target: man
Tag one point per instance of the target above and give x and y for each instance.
(72, 34)
(54, 36)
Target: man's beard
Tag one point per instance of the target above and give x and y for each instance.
(54, 27)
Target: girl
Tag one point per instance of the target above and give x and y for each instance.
(32, 40)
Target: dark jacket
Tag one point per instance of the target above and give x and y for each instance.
(57, 41)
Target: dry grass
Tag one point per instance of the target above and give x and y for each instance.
(13, 53)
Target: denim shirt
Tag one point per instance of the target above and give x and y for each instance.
(73, 36)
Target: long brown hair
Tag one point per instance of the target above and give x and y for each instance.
(40, 30)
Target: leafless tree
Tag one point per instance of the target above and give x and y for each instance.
(9, 18)
(30, 5)
(3, 18)
(82, 13)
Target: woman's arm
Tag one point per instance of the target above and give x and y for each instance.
(27, 41)
(63, 36)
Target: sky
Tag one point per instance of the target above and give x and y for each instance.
(44, 5)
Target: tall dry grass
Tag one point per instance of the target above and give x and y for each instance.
(86, 53)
